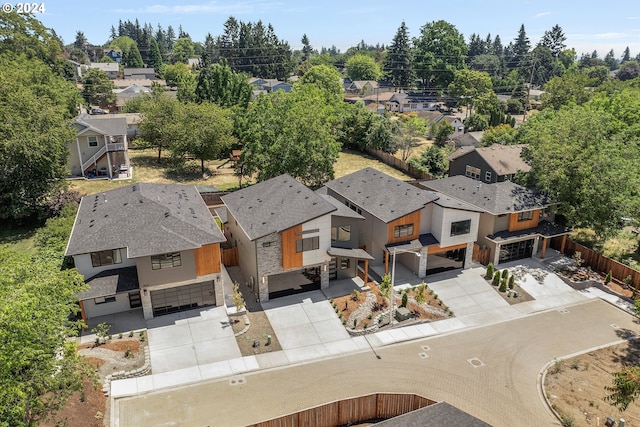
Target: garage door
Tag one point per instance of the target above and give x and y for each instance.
(517, 250)
(165, 301)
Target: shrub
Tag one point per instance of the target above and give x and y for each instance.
(607, 279)
(355, 295)
(130, 334)
(505, 273)
(496, 279)
(120, 336)
(577, 259)
(355, 323)
(512, 282)
(503, 285)
(405, 300)
(490, 270)
(628, 280)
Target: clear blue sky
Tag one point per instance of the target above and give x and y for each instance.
(588, 24)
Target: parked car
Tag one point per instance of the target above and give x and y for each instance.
(98, 111)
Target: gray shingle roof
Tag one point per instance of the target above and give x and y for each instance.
(106, 126)
(381, 195)
(341, 208)
(497, 198)
(504, 159)
(145, 218)
(436, 415)
(111, 282)
(275, 205)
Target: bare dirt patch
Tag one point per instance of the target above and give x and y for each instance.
(259, 330)
(575, 387)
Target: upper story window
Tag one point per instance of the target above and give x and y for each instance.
(461, 227)
(93, 141)
(487, 176)
(160, 262)
(525, 216)
(403, 230)
(341, 233)
(472, 172)
(308, 244)
(108, 257)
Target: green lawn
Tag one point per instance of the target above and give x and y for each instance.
(19, 238)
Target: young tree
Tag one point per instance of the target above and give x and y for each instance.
(440, 131)
(409, 129)
(384, 289)
(97, 88)
(238, 300)
(363, 67)
(398, 63)
(421, 293)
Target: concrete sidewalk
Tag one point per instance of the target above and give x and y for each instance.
(201, 348)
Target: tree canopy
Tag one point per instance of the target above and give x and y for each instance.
(324, 77)
(440, 50)
(398, 63)
(363, 67)
(97, 88)
(219, 84)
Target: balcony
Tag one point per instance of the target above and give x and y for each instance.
(115, 146)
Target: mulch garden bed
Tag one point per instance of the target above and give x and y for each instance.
(259, 330)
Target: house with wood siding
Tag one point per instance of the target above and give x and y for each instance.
(515, 223)
(149, 247)
(402, 218)
(495, 163)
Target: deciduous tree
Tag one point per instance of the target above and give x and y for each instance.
(324, 77)
(440, 51)
(97, 89)
(363, 67)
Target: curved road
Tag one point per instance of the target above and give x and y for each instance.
(502, 391)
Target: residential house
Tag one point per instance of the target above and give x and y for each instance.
(435, 117)
(495, 163)
(362, 87)
(139, 74)
(282, 232)
(406, 220)
(268, 85)
(125, 83)
(133, 122)
(468, 139)
(402, 102)
(100, 148)
(126, 94)
(515, 223)
(111, 68)
(113, 54)
(154, 246)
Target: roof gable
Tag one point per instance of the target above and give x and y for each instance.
(145, 218)
(275, 205)
(504, 159)
(381, 195)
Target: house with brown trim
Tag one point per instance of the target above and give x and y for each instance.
(402, 218)
(149, 247)
(515, 222)
(495, 163)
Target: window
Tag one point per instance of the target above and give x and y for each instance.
(472, 172)
(308, 244)
(160, 262)
(525, 216)
(267, 244)
(109, 257)
(104, 300)
(487, 176)
(403, 230)
(93, 141)
(341, 234)
(461, 227)
(345, 263)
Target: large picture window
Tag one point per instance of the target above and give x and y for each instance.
(472, 172)
(461, 227)
(160, 262)
(341, 234)
(403, 230)
(109, 257)
(525, 216)
(308, 244)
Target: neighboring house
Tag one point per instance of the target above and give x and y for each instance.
(404, 218)
(405, 103)
(434, 117)
(78, 69)
(193, 62)
(125, 83)
(100, 148)
(362, 87)
(468, 139)
(133, 122)
(114, 54)
(282, 230)
(111, 68)
(495, 163)
(515, 223)
(139, 74)
(268, 85)
(126, 94)
(154, 246)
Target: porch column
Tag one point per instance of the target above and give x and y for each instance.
(496, 255)
(564, 241)
(80, 156)
(422, 263)
(366, 271)
(218, 287)
(386, 262)
(147, 308)
(544, 247)
(263, 288)
(324, 276)
(82, 313)
(109, 164)
(468, 256)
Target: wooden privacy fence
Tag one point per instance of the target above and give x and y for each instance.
(481, 255)
(397, 163)
(354, 410)
(230, 256)
(602, 263)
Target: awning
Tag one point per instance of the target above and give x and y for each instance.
(111, 282)
(349, 253)
(413, 245)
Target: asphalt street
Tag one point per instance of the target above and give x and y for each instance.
(491, 372)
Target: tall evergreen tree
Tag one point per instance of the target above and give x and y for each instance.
(306, 47)
(112, 33)
(80, 41)
(520, 49)
(554, 39)
(398, 64)
(171, 38)
(155, 58)
(610, 60)
(626, 56)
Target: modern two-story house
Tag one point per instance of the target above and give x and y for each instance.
(515, 223)
(495, 163)
(149, 246)
(282, 230)
(100, 148)
(407, 221)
